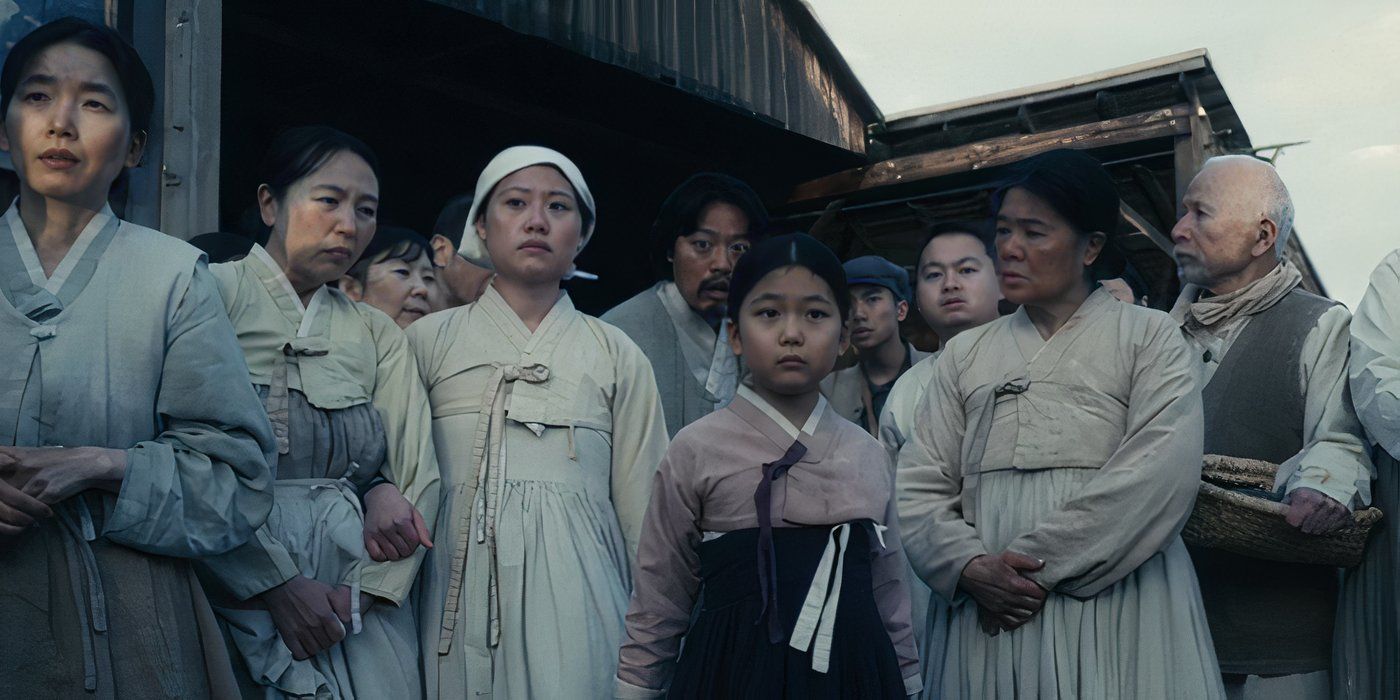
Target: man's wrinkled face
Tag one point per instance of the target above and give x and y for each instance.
(702, 260)
(1219, 235)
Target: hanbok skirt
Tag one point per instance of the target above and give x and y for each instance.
(727, 652)
(1145, 637)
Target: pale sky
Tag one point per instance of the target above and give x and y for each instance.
(1328, 73)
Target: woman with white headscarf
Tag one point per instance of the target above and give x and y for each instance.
(548, 429)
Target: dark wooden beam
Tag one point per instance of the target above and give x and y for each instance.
(1141, 223)
(1170, 121)
(1157, 197)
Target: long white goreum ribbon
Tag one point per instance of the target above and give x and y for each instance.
(818, 616)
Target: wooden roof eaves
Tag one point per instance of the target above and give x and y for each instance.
(1184, 62)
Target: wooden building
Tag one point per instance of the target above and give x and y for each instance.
(1152, 124)
(640, 95)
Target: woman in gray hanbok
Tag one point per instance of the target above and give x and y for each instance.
(130, 439)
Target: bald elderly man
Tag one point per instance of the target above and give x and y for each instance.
(1273, 362)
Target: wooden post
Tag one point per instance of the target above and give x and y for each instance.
(189, 170)
(1194, 147)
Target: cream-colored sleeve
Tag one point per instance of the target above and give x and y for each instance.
(227, 278)
(258, 565)
(1375, 357)
(1335, 459)
(901, 405)
(928, 486)
(639, 437)
(893, 433)
(1138, 501)
(412, 462)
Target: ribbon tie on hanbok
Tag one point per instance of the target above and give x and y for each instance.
(972, 471)
(85, 580)
(278, 393)
(767, 563)
(488, 453)
(39, 305)
(816, 623)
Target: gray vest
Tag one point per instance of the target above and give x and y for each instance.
(1253, 405)
(645, 321)
(1265, 617)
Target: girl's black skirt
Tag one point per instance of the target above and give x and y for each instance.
(727, 654)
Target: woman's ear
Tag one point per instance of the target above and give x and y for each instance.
(137, 151)
(480, 227)
(267, 206)
(735, 343)
(1094, 248)
(352, 288)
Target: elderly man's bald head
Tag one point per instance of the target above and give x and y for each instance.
(1256, 190)
(1237, 222)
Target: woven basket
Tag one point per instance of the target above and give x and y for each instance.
(1230, 516)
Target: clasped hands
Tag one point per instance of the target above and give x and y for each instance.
(312, 616)
(1006, 597)
(34, 478)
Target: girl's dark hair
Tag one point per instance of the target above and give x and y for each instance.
(680, 213)
(390, 243)
(788, 250)
(302, 150)
(131, 72)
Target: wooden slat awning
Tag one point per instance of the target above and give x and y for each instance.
(1167, 122)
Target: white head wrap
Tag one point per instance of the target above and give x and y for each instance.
(506, 162)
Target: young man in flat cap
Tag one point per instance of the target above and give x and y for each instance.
(879, 301)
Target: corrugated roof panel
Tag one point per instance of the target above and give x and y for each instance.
(766, 57)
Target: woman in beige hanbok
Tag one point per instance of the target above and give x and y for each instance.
(1053, 465)
(549, 428)
(319, 604)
